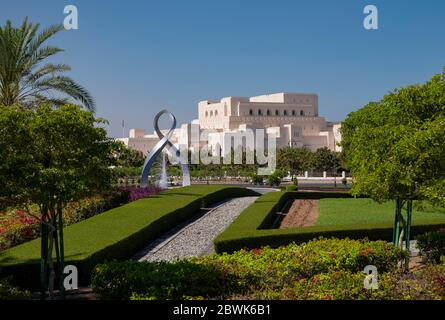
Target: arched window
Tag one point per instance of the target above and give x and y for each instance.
(293, 112)
(301, 113)
(207, 113)
(285, 112)
(211, 113)
(251, 112)
(277, 113)
(216, 112)
(260, 113)
(268, 112)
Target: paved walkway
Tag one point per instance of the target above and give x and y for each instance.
(195, 237)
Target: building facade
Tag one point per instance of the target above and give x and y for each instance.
(291, 118)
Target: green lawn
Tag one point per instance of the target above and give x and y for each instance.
(344, 212)
(341, 216)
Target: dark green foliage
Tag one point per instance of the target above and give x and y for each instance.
(395, 147)
(257, 180)
(9, 292)
(126, 157)
(274, 180)
(325, 160)
(160, 280)
(432, 245)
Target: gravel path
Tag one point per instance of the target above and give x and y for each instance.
(195, 238)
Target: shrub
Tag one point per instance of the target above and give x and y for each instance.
(257, 180)
(157, 280)
(9, 292)
(136, 193)
(421, 284)
(292, 187)
(281, 273)
(274, 180)
(432, 245)
(16, 227)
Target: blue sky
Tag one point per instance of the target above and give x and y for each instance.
(139, 56)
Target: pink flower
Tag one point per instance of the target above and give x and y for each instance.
(21, 213)
(257, 251)
(27, 232)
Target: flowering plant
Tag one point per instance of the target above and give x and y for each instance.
(136, 193)
(18, 226)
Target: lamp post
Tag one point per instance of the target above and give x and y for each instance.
(335, 166)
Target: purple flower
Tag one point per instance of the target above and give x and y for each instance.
(136, 193)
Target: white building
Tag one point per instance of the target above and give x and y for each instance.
(290, 117)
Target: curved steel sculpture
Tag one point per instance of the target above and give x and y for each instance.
(164, 141)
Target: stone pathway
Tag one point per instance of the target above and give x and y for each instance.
(195, 237)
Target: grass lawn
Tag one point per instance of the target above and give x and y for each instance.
(334, 212)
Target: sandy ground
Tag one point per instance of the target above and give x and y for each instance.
(302, 213)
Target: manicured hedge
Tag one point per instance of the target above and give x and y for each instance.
(249, 230)
(116, 234)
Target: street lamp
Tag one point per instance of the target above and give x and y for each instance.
(335, 166)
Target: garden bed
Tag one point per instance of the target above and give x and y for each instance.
(302, 213)
(116, 234)
(252, 228)
(320, 269)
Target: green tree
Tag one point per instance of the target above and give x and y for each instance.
(25, 78)
(126, 157)
(50, 157)
(274, 180)
(294, 160)
(395, 148)
(325, 160)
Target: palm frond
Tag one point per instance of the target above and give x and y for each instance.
(68, 86)
(23, 79)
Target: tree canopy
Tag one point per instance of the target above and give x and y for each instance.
(396, 147)
(126, 157)
(51, 155)
(325, 160)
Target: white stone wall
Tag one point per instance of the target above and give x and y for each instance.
(291, 117)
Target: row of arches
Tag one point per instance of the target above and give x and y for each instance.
(260, 113)
(276, 113)
(211, 113)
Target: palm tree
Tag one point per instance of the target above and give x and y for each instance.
(25, 78)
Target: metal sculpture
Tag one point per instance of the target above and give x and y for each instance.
(164, 141)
